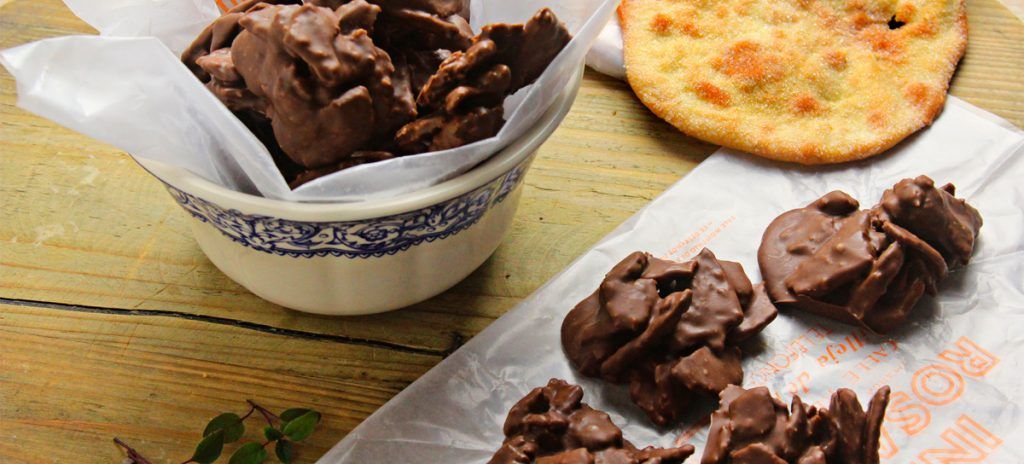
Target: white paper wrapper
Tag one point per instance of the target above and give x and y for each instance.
(954, 369)
(605, 56)
(127, 88)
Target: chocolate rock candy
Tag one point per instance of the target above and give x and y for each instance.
(868, 267)
(669, 329)
(752, 427)
(418, 24)
(935, 215)
(324, 80)
(462, 101)
(426, 24)
(420, 34)
(325, 93)
(551, 425)
(311, 73)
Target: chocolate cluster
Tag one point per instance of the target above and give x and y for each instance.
(551, 425)
(463, 99)
(868, 267)
(751, 426)
(669, 329)
(330, 84)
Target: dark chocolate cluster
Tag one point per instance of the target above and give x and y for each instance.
(669, 329)
(751, 426)
(330, 84)
(868, 267)
(551, 425)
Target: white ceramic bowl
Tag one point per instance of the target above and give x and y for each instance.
(366, 257)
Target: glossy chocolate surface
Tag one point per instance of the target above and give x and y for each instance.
(668, 329)
(752, 427)
(551, 425)
(868, 267)
(331, 84)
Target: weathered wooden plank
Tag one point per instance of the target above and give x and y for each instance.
(95, 229)
(81, 239)
(70, 381)
(92, 228)
(85, 226)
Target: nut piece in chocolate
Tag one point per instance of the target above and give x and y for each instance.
(551, 425)
(751, 426)
(669, 329)
(868, 267)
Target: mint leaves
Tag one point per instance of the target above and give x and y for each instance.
(283, 431)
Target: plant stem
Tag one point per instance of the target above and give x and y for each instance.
(269, 416)
(132, 454)
(251, 410)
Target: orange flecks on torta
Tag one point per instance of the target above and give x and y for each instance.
(809, 81)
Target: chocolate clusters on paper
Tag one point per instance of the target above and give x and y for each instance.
(751, 426)
(330, 84)
(669, 329)
(868, 267)
(551, 425)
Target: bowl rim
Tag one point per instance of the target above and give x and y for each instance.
(495, 166)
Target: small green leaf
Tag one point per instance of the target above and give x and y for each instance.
(230, 423)
(209, 449)
(292, 414)
(271, 433)
(249, 453)
(301, 427)
(285, 451)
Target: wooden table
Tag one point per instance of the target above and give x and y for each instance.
(113, 323)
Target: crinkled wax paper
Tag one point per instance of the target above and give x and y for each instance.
(127, 88)
(955, 369)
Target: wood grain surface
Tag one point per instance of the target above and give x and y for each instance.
(113, 323)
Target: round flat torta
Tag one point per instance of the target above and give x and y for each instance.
(807, 81)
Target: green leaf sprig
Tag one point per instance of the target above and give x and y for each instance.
(283, 431)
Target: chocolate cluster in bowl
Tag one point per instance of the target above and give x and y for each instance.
(868, 267)
(330, 84)
(750, 426)
(551, 425)
(670, 329)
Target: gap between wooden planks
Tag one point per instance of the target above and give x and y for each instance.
(71, 381)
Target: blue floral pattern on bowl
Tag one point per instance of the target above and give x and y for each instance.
(366, 238)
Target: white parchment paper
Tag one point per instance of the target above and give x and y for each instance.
(955, 370)
(127, 88)
(605, 56)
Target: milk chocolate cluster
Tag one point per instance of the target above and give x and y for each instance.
(462, 101)
(868, 267)
(551, 425)
(330, 84)
(669, 329)
(751, 426)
